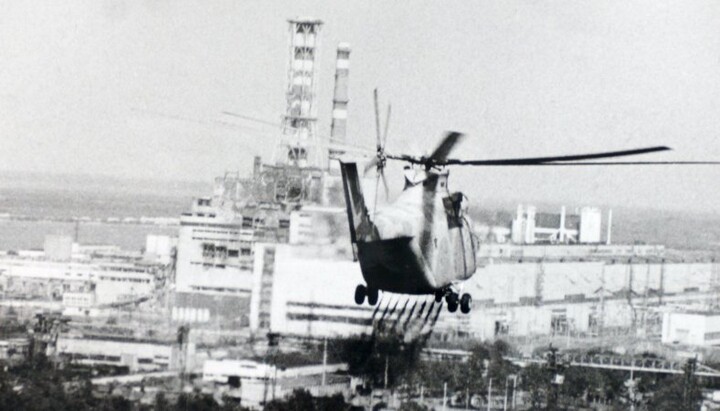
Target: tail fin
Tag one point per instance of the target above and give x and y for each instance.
(361, 228)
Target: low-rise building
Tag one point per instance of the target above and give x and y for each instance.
(700, 328)
(137, 355)
(257, 383)
(103, 283)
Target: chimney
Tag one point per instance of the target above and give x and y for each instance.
(340, 97)
(257, 166)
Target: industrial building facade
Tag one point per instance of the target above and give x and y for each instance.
(310, 293)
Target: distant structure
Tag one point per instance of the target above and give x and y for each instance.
(299, 138)
(531, 227)
(58, 247)
(294, 199)
(338, 129)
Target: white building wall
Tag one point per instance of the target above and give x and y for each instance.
(110, 284)
(136, 355)
(199, 273)
(590, 225)
(313, 287)
(684, 328)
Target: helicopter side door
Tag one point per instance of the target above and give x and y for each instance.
(460, 231)
(452, 205)
(469, 246)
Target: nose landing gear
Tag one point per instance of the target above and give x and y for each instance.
(453, 301)
(465, 303)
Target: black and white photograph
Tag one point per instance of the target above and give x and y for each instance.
(305, 205)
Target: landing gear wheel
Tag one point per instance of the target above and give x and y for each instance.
(372, 295)
(360, 292)
(465, 303)
(452, 302)
(439, 296)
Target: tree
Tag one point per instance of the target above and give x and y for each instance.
(161, 402)
(115, 403)
(371, 357)
(302, 400)
(536, 381)
(196, 402)
(680, 393)
(333, 403)
(299, 400)
(412, 406)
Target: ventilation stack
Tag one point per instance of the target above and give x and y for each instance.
(299, 145)
(338, 128)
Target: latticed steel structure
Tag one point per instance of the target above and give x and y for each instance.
(300, 145)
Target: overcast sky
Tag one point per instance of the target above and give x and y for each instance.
(137, 88)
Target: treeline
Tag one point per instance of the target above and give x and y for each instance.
(550, 385)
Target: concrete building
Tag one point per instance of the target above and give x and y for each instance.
(583, 227)
(108, 282)
(160, 248)
(259, 383)
(214, 261)
(700, 328)
(14, 349)
(307, 291)
(58, 247)
(137, 355)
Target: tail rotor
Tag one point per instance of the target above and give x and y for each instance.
(380, 159)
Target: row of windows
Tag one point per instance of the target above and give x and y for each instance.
(230, 290)
(77, 300)
(330, 318)
(226, 232)
(210, 250)
(712, 336)
(244, 265)
(125, 280)
(94, 357)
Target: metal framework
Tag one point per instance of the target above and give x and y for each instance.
(612, 362)
(299, 145)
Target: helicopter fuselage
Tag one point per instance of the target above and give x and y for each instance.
(420, 244)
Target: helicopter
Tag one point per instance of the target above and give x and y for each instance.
(423, 242)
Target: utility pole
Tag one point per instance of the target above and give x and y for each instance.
(325, 362)
(631, 385)
(386, 371)
(690, 384)
(567, 334)
(557, 378)
(662, 282)
(489, 396)
(506, 394)
(601, 315)
(444, 395)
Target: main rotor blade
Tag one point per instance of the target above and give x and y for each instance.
(555, 160)
(599, 163)
(443, 150)
(370, 164)
(385, 184)
(387, 126)
(377, 121)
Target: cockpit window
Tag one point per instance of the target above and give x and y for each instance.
(454, 208)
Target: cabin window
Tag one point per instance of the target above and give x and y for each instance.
(453, 209)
